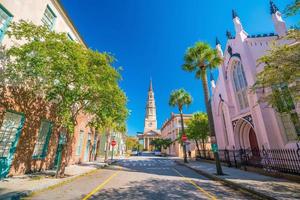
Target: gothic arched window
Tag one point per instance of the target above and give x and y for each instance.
(240, 84)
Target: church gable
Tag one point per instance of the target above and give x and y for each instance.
(152, 133)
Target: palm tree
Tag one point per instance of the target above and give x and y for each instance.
(198, 59)
(180, 98)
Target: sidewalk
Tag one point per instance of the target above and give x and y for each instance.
(20, 186)
(263, 186)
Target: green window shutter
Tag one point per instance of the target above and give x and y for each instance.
(45, 148)
(5, 19)
(49, 18)
(79, 144)
(41, 145)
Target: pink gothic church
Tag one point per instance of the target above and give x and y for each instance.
(240, 120)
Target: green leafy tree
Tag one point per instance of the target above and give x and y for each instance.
(199, 59)
(281, 72)
(161, 143)
(282, 69)
(132, 143)
(166, 143)
(198, 129)
(180, 98)
(157, 143)
(293, 8)
(66, 74)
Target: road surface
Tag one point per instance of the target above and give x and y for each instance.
(143, 177)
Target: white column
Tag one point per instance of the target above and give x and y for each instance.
(148, 144)
(144, 143)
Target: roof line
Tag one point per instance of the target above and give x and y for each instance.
(64, 13)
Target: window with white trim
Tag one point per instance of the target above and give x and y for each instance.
(49, 18)
(240, 84)
(80, 142)
(41, 145)
(5, 19)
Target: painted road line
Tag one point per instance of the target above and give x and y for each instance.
(211, 196)
(99, 187)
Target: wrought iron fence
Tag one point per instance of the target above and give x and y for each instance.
(271, 160)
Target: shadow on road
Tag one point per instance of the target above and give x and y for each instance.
(150, 189)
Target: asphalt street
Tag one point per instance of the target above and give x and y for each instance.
(143, 177)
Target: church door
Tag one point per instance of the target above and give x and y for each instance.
(253, 143)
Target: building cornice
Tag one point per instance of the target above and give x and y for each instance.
(172, 117)
(58, 5)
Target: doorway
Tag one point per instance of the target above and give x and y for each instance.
(253, 143)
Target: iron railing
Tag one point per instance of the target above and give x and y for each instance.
(271, 160)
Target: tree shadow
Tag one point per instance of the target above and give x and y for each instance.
(13, 195)
(150, 189)
(35, 110)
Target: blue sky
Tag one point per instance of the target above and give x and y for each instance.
(149, 38)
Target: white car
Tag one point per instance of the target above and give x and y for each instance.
(157, 153)
(134, 153)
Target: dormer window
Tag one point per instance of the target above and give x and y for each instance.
(240, 84)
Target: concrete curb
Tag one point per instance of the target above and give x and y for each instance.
(248, 191)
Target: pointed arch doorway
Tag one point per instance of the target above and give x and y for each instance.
(253, 143)
(246, 138)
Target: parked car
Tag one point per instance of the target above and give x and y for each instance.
(157, 153)
(134, 153)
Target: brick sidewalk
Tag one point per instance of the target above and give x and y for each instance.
(19, 186)
(268, 186)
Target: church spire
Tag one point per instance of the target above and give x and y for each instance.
(273, 7)
(150, 118)
(234, 14)
(150, 86)
(239, 30)
(279, 23)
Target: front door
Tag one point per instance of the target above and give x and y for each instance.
(253, 143)
(9, 135)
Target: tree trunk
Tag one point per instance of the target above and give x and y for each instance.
(107, 146)
(203, 147)
(210, 119)
(198, 148)
(182, 128)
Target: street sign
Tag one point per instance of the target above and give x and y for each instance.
(113, 143)
(214, 147)
(184, 137)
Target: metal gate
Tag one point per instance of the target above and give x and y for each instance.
(9, 135)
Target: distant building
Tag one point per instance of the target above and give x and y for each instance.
(241, 121)
(29, 140)
(171, 129)
(150, 129)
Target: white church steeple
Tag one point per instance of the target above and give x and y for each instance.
(150, 118)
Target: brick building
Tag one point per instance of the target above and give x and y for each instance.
(171, 129)
(30, 140)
